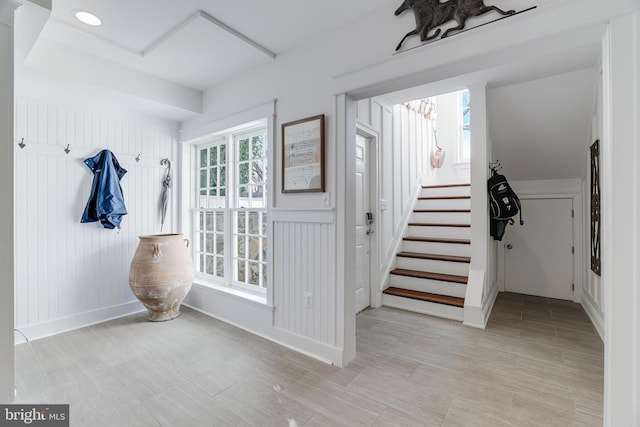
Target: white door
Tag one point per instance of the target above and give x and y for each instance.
(363, 240)
(539, 255)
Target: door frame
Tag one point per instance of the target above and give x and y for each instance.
(373, 160)
(553, 189)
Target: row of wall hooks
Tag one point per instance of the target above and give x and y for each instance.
(21, 144)
(67, 149)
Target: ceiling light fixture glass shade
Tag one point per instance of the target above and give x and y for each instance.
(87, 18)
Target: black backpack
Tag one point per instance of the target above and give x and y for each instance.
(503, 201)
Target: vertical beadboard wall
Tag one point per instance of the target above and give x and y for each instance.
(304, 264)
(70, 274)
(403, 152)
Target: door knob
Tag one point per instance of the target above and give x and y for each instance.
(509, 246)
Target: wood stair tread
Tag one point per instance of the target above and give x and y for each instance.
(437, 240)
(435, 257)
(428, 275)
(446, 185)
(425, 296)
(444, 198)
(432, 224)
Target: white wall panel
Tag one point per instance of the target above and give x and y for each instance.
(65, 269)
(305, 263)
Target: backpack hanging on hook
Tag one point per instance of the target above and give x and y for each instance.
(504, 203)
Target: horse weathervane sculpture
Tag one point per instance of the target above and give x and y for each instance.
(433, 13)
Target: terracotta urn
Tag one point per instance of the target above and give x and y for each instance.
(161, 274)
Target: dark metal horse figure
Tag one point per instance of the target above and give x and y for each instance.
(433, 13)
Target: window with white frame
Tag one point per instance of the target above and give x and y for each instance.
(231, 214)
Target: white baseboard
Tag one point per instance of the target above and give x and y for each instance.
(490, 301)
(257, 319)
(596, 318)
(309, 347)
(76, 321)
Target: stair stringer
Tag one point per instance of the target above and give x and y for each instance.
(396, 243)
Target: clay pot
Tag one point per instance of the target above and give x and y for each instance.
(161, 274)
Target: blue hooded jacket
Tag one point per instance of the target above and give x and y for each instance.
(106, 202)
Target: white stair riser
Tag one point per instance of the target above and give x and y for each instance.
(428, 285)
(446, 232)
(442, 217)
(445, 191)
(443, 204)
(433, 266)
(436, 248)
(424, 307)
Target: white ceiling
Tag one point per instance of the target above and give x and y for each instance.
(197, 43)
(164, 53)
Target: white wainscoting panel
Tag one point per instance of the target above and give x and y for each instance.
(64, 269)
(304, 264)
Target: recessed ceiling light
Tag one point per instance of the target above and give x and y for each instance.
(87, 17)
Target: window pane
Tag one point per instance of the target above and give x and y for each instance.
(264, 249)
(219, 245)
(223, 154)
(243, 149)
(209, 269)
(254, 248)
(201, 264)
(264, 275)
(254, 273)
(244, 173)
(209, 226)
(213, 177)
(264, 224)
(243, 193)
(201, 239)
(220, 266)
(241, 222)
(256, 172)
(241, 246)
(254, 223)
(214, 156)
(220, 222)
(203, 178)
(209, 243)
(212, 193)
(223, 176)
(257, 147)
(241, 269)
(203, 157)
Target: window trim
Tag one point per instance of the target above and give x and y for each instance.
(262, 116)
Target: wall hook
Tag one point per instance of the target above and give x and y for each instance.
(67, 149)
(138, 158)
(22, 144)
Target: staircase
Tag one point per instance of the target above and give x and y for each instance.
(433, 265)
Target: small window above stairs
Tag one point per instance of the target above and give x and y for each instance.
(432, 268)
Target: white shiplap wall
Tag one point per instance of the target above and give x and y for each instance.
(402, 153)
(70, 274)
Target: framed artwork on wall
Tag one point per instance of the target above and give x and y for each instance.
(595, 207)
(303, 155)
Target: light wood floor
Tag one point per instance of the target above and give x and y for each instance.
(538, 363)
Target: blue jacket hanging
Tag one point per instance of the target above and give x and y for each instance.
(106, 202)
